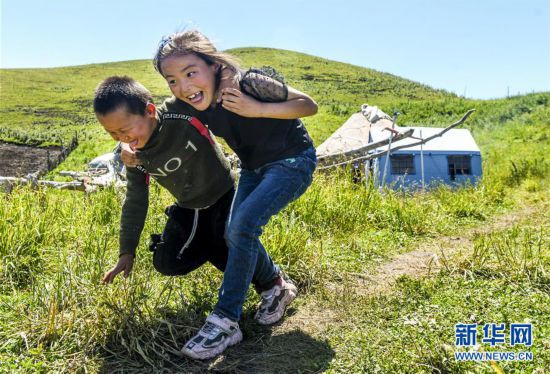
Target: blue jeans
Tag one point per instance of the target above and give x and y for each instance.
(261, 193)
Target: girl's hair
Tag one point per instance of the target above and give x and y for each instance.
(192, 41)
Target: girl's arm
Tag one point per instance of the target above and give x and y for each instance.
(264, 93)
(297, 104)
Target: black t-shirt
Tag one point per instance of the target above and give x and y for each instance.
(258, 141)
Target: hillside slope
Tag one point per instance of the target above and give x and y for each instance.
(41, 105)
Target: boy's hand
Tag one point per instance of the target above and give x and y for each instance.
(125, 263)
(241, 103)
(129, 157)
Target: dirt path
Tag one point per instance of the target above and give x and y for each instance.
(428, 258)
(431, 256)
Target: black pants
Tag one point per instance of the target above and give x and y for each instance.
(207, 244)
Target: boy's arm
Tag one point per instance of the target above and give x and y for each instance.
(263, 93)
(134, 212)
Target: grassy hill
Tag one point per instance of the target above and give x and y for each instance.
(56, 245)
(49, 106)
(38, 103)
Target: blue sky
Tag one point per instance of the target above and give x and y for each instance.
(480, 48)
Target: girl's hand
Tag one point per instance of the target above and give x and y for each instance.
(129, 157)
(240, 103)
(229, 79)
(125, 263)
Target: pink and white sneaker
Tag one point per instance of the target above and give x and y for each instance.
(274, 302)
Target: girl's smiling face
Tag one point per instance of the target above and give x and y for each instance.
(191, 79)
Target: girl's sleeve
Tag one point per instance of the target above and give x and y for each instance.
(264, 84)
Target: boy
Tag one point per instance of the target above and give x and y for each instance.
(178, 151)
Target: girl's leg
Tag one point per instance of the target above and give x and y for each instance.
(266, 272)
(265, 191)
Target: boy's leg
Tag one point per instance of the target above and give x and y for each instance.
(176, 232)
(265, 192)
(208, 244)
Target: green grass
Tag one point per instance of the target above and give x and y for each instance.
(506, 280)
(56, 245)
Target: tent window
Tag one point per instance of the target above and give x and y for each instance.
(402, 164)
(459, 165)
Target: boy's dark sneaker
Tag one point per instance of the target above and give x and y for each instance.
(213, 338)
(274, 302)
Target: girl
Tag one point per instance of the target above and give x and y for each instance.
(277, 163)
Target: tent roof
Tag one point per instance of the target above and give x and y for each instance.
(452, 140)
(353, 134)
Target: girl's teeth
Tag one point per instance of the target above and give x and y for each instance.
(196, 97)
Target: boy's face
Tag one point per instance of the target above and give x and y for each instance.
(190, 79)
(130, 128)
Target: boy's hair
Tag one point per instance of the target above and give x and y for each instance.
(116, 91)
(192, 42)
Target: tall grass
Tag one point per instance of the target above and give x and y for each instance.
(517, 253)
(55, 246)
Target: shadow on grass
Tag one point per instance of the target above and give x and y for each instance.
(154, 347)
